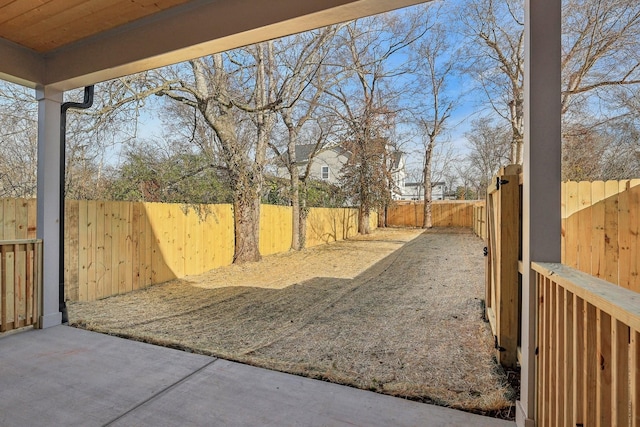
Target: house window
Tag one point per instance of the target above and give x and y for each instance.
(325, 172)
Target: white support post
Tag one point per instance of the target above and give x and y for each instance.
(49, 102)
(542, 178)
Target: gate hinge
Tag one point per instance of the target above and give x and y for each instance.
(500, 182)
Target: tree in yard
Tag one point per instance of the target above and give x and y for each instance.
(489, 146)
(600, 45)
(301, 77)
(495, 50)
(233, 93)
(435, 71)
(18, 141)
(366, 98)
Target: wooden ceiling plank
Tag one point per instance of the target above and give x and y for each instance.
(77, 13)
(17, 8)
(44, 17)
(111, 16)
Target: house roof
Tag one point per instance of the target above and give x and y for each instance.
(305, 151)
(65, 44)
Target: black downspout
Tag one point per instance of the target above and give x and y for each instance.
(87, 103)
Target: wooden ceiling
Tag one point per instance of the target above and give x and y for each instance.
(24, 22)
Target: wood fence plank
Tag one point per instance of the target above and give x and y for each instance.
(107, 255)
(611, 231)
(126, 264)
(572, 226)
(71, 250)
(623, 237)
(634, 232)
(136, 230)
(4, 300)
(92, 291)
(22, 219)
(83, 252)
(116, 233)
(32, 222)
(149, 241)
(9, 220)
(2, 219)
(597, 229)
(99, 251)
(585, 227)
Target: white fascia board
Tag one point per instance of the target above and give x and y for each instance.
(20, 65)
(197, 29)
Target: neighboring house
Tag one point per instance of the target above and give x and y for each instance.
(326, 164)
(415, 191)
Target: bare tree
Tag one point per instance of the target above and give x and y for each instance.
(366, 98)
(234, 94)
(18, 141)
(489, 150)
(495, 47)
(435, 72)
(301, 79)
(600, 56)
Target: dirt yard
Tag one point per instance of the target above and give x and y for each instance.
(397, 312)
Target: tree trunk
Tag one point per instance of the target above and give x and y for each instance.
(363, 221)
(246, 212)
(295, 204)
(426, 182)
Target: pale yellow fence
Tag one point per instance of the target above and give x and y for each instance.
(450, 213)
(20, 282)
(116, 247)
(588, 350)
(601, 230)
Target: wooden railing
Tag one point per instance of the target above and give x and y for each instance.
(588, 350)
(20, 283)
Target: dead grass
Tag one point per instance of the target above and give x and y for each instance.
(398, 312)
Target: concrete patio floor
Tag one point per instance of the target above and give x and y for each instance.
(70, 377)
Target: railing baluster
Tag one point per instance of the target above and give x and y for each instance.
(620, 368)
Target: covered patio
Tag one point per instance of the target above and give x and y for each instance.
(53, 47)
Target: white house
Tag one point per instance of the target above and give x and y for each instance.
(415, 191)
(326, 165)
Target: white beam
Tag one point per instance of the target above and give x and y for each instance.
(48, 210)
(197, 29)
(542, 161)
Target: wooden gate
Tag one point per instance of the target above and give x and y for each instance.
(503, 283)
(20, 283)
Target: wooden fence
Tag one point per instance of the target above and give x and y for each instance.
(116, 247)
(20, 282)
(588, 350)
(480, 219)
(450, 213)
(601, 230)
